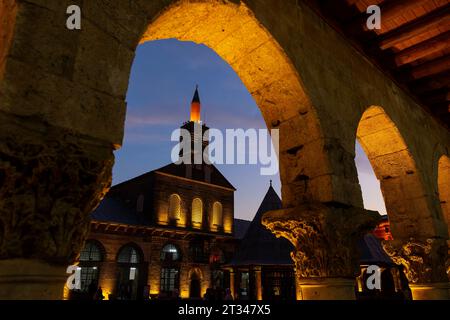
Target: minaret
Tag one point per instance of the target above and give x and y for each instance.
(195, 127)
(195, 107)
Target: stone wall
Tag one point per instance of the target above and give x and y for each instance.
(151, 249)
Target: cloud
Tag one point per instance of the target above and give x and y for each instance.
(145, 138)
(136, 120)
(233, 120)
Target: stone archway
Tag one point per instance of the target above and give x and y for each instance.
(195, 283)
(400, 180)
(444, 187)
(444, 197)
(234, 33)
(62, 108)
(418, 243)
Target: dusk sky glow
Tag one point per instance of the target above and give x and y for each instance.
(163, 80)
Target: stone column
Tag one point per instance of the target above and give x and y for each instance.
(325, 240)
(424, 266)
(298, 289)
(232, 283)
(258, 284)
(50, 182)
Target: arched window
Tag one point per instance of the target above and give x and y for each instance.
(90, 256)
(91, 252)
(129, 272)
(170, 253)
(174, 207)
(217, 214)
(140, 203)
(197, 212)
(129, 254)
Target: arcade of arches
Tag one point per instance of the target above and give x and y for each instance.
(62, 108)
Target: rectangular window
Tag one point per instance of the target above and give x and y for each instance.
(245, 284)
(88, 275)
(169, 279)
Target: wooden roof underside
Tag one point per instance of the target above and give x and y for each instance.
(412, 47)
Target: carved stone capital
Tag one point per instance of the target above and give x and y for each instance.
(424, 260)
(325, 237)
(50, 181)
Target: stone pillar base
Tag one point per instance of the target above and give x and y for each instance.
(431, 291)
(23, 279)
(327, 289)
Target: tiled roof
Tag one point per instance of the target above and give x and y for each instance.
(240, 228)
(114, 210)
(259, 246)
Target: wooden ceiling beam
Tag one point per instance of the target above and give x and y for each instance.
(423, 49)
(437, 17)
(392, 9)
(431, 83)
(432, 67)
(437, 97)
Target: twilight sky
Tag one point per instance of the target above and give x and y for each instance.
(161, 87)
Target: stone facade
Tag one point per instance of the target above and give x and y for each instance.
(150, 267)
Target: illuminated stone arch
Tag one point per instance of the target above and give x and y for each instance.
(443, 180)
(413, 215)
(401, 181)
(234, 33)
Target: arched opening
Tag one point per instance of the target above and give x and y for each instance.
(197, 213)
(370, 185)
(131, 272)
(195, 285)
(217, 216)
(91, 256)
(444, 197)
(400, 182)
(444, 188)
(174, 208)
(232, 31)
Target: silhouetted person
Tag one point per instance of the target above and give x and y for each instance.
(228, 295)
(175, 294)
(99, 294)
(92, 289)
(209, 295)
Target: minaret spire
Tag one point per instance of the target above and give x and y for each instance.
(195, 107)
